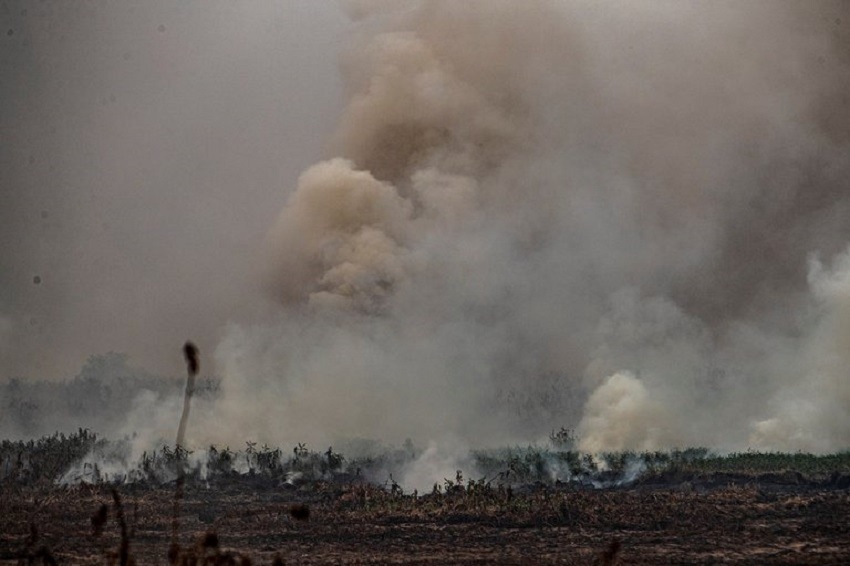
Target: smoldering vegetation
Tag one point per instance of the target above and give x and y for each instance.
(83, 458)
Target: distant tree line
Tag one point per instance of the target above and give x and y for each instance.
(98, 398)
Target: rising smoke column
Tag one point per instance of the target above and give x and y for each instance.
(543, 214)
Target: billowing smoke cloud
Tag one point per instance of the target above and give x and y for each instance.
(582, 214)
(620, 415)
(543, 214)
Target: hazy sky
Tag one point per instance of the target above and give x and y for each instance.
(479, 220)
(145, 149)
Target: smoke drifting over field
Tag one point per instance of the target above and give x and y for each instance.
(628, 218)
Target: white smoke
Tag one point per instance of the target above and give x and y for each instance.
(621, 415)
(810, 408)
(437, 463)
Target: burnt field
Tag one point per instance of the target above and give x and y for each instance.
(710, 520)
(319, 508)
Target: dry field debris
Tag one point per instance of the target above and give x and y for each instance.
(242, 521)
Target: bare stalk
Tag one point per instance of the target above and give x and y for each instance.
(190, 351)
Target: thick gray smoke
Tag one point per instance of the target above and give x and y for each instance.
(629, 218)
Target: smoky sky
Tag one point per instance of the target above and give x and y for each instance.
(146, 148)
(460, 222)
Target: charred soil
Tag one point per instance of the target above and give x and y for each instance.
(706, 519)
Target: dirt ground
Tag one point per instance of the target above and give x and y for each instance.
(728, 521)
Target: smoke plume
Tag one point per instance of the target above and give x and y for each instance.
(583, 214)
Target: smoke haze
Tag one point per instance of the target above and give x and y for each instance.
(632, 219)
(144, 145)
